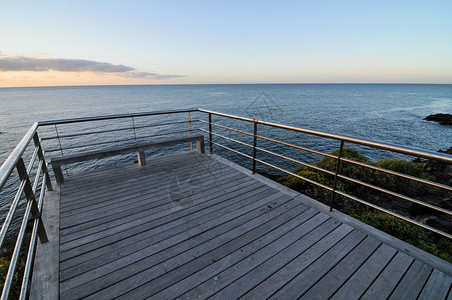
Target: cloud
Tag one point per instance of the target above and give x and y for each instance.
(35, 64)
(22, 63)
(137, 74)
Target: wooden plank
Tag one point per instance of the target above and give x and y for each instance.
(102, 176)
(136, 176)
(149, 194)
(45, 279)
(137, 242)
(109, 194)
(366, 274)
(295, 279)
(230, 185)
(299, 239)
(100, 173)
(135, 263)
(81, 264)
(169, 222)
(116, 189)
(142, 210)
(437, 286)
(66, 251)
(263, 253)
(274, 236)
(150, 265)
(176, 270)
(154, 198)
(412, 283)
(383, 286)
(299, 256)
(334, 279)
(90, 180)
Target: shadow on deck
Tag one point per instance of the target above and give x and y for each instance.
(191, 225)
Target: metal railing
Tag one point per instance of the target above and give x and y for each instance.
(61, 142)
(33, 205)
(339, 159)
(41, 180)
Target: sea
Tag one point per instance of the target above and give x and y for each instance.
(390, 113)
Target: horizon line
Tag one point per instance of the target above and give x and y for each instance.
(188, 84)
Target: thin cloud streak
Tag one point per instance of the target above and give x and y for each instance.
(34, 64)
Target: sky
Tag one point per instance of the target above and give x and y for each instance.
(52, 43)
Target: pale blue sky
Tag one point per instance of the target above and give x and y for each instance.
(229, 41)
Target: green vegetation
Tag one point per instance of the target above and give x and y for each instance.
(415, 235)
(17, 278)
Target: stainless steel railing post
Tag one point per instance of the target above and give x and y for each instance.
(338, 166)
(189, 129)
(254, 145)
(210, 132)
(42, 159)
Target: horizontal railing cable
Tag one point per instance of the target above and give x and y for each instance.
(116, 141)
(114, 130)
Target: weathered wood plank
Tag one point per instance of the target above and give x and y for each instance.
(274, 236)
(389, 278)
(135, 177)
(155, 199)
(299, 239)
(65, 254)
(437, 287)
(334, 279)
(295, 280)
(90, 227)
(135, 263)
(134, 174)
(169, 229)
(97, 178)
(364, 276)
(176, 270)
(412, 283)
(301, 256)
(45, 279)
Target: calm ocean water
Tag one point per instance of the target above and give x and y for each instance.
(390, 113)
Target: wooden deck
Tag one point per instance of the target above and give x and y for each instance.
(189, 225)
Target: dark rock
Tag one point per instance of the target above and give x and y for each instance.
(443, 119)
(442, 171)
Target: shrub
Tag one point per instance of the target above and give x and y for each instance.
(402, 185)
(401, 229)
(417, 236)
(17, 278)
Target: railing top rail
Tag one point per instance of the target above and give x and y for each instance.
(365, 142)
(118, 116)
(10, 163)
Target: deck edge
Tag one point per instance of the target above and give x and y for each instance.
(46, 277)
